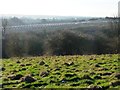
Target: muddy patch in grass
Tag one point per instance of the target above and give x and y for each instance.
(15, 77)
(75, 84)
(28, 79)
(44, 74)
(115, 83)
(117, 75)
(70, 74)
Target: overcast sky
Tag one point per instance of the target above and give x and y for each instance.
(97, 8)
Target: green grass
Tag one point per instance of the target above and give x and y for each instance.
(63, 71)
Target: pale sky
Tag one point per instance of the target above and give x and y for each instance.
(97, 8)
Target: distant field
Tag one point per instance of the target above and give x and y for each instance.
(87, 71)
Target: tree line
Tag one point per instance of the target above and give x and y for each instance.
(62, 42)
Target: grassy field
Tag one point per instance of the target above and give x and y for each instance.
(86, 71)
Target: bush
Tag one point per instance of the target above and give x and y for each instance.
(65, 43)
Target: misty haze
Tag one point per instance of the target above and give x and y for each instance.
(59, 44)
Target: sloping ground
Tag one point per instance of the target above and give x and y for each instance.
(87, 71)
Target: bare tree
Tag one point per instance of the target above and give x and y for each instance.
(4, 27)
